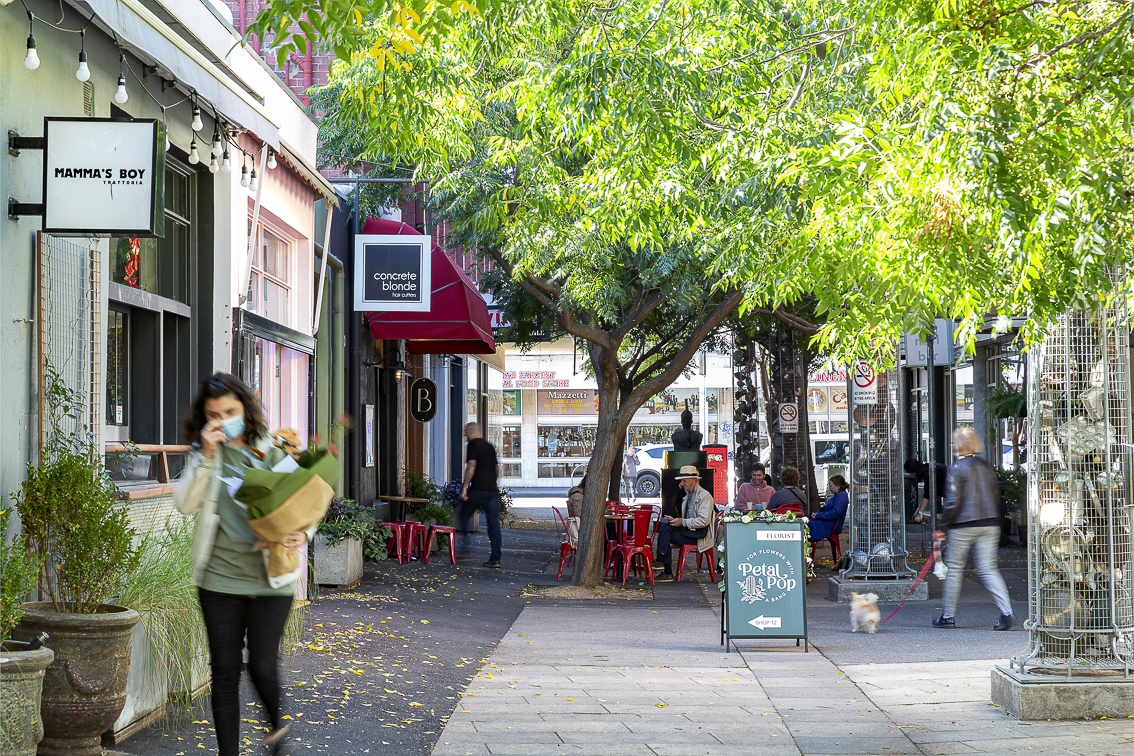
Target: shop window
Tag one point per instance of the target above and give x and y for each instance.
(511, 470)
(567, 471)
(838, 426)
(117, 367)
(152, 346)
(510, 441)
(643, 435)
(269, 287)
(831, 452)
(565, 440)
(812, 426)
(159, 266)
(512, 403)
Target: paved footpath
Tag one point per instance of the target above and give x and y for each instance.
(649, 678)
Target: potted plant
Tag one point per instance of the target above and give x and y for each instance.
(81, 537)
(21, 670)
(338, 542)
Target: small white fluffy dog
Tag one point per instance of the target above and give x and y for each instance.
(864, 613)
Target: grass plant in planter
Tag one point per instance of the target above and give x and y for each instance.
(75, 528)
(338, 543)
(21, 670)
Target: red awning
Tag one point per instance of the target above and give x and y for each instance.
(458, 320)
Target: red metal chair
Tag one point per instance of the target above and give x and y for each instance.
(833, 540)
(785, 508)
(707, 555)
(446, 530)
(567, 545)
(415, 539)
(400, 531)
(642, 544)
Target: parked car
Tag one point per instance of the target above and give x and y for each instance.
(651, 459)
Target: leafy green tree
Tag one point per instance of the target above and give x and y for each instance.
(894, 162)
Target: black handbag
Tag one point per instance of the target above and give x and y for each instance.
(698, 533)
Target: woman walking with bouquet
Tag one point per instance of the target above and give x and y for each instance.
(238, 596)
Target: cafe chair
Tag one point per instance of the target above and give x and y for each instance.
(641, 545)
(415, 539)
(446, 530)
(688, 549)
(568, 543)
(396, 543)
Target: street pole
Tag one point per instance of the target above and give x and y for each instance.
(931, 483)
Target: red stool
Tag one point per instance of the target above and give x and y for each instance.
(691, 548)
(399, 529)
(415, 538)
(448, 530)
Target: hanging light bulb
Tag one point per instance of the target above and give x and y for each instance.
(194, 158)
(166, 130)
(213, 165)
(218, 147)
(244, 176)
(83, 73)
(225, 165)
(120, 94)
(198, 124)
(253, 185)
(271, 160)
(31, 60)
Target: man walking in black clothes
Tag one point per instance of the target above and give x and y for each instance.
(480, 490)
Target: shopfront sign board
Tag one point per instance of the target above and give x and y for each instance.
(765, 576)
(423, 400)
(917, 351)
(864, 383)
(104, 176)
(789, 417)
(392, 273)
(568, 402)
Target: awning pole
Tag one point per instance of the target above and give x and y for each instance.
(323, 272)
(255, 221)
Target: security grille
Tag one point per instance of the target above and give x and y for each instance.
(68, 334)
(876, 515)
(1080, 576)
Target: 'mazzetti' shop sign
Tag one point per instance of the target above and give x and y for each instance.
(392, 273)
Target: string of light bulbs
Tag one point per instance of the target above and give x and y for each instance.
(222, 136)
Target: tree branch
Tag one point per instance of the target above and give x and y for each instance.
(648, 388)
(792, 321)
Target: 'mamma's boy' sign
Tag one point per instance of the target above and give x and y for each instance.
(104, 176)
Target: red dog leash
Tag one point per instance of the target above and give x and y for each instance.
(920, 576)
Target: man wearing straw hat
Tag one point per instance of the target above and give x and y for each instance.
(694, 527)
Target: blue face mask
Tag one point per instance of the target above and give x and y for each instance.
(233, 427)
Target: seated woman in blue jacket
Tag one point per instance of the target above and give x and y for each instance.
(823, 523)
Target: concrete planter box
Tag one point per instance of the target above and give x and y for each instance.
(340, 564)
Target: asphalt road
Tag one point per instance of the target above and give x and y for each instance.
(382, 665)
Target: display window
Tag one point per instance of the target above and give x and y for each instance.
(641, 435)
(570, 472)
(510, 441)
(832, 452)
(511, 470)
(565, 440)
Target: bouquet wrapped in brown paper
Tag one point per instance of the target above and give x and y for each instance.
(288, 498)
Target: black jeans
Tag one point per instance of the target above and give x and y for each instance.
(668, 537)
(227, 618)
(489, 503)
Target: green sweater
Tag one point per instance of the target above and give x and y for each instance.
(235, 565)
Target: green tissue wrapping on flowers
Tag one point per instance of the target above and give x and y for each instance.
(763, 516)
(263, 491)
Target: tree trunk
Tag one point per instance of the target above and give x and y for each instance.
(614, 488)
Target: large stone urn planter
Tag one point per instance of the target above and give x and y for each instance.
(84, 688)
(340, 564)
(21, 690)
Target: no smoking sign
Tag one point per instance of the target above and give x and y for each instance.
(789, 418)
(865, 383)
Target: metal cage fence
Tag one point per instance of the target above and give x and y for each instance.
(876, 514)
(1080, 572)
(68, 333)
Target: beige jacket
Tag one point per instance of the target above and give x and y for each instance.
(697, 513)
(197, 493)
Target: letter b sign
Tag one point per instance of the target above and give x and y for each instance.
(423, 400)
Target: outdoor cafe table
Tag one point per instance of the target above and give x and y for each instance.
(398, 514)
(623, 521)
